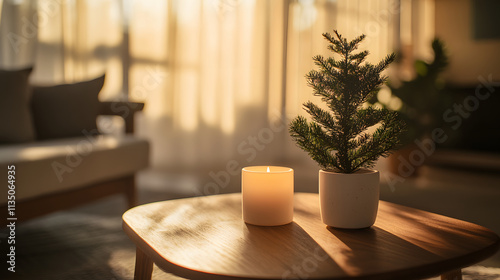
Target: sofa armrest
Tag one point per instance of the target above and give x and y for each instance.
(124, 109)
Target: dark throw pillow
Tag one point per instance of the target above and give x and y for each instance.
(66, 110)
(16, 124)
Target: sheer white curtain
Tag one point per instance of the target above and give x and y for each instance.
(218, 63)
(18, 34)
(220, 78)
(65, 40)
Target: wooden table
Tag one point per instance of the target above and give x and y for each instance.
(206, 238)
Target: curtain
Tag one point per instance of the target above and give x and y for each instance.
(65, 41)
(220, 78)
(219, 61)
(18, 20)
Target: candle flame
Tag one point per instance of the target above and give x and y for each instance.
(268, 169)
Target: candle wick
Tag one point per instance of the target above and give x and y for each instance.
(268, 169)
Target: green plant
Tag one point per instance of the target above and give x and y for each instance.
(424, 99)
(340, 139)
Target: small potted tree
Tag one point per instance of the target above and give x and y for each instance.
(347, 138)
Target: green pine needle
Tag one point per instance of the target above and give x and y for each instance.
(339, 140)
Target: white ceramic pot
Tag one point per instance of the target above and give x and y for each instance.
(349, 200)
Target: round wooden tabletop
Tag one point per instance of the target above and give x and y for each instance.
(206, 238)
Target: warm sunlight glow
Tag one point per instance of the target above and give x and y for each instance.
(148, 41)
(55, 151)
(149, 83)
(405, 18)
(268, 169)
(384, 95)
(307, 17)
(186, 111)
(395, 103)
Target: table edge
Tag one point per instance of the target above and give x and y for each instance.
(431, 270)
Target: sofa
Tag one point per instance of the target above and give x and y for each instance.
(52, 155)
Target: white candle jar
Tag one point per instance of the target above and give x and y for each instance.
(267, 195)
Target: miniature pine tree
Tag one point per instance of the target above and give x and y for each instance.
(339, 140)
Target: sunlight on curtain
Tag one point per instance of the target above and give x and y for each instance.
(220, 78)
(229, 69)
(18, 33)
(80, 40)
(214, 84)
(65, 40)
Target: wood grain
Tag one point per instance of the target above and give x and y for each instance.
(205, 238)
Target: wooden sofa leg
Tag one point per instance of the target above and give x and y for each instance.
(131, 192)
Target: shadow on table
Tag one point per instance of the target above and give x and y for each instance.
(379, 251)
(290, 246)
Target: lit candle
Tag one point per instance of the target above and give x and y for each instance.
(267, 195)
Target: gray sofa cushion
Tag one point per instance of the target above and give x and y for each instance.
(47, 167)
(16, 123)
(66, 110)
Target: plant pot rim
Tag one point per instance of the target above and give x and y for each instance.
(361, 171)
